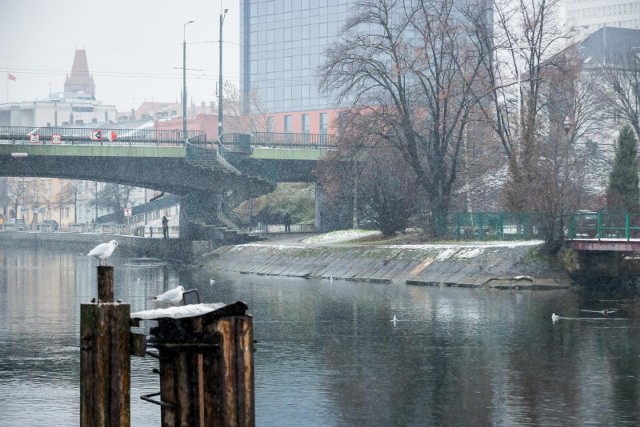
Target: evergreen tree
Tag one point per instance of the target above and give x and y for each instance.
(623, 192)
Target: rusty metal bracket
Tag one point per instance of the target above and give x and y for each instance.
(191, 291)
(148, 398)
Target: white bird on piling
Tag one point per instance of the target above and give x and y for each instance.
(103, 251)
(172, 296)
(554, 317)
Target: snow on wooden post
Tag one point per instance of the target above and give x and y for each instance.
(206, 364)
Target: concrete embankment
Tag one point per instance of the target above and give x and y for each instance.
(170, 249)
(507, 265)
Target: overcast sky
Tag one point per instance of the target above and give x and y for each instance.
(134, 48)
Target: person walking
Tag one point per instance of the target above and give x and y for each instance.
(165, 227)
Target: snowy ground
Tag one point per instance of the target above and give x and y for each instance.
(342, 236)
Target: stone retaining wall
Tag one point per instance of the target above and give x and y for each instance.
(437, 265)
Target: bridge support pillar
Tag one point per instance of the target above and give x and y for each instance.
(197, 212)
(600, 265)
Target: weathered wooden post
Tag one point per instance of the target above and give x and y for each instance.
(104, 358)
(206, 364)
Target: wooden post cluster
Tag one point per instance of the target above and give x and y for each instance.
(104, 358)
(206, 363)
(206, 368)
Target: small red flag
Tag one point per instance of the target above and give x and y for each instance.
(11, 77)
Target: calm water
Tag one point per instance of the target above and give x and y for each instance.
(328, 354)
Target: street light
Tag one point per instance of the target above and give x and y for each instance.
(222, 16)
(566, 125)
(184, 79)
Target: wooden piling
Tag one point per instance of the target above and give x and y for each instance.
(105, 284)
(104, 358)
(206, 368)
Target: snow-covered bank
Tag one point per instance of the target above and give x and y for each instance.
(495, 264)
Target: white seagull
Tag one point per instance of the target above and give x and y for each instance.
(172, 296)
(394, 320)
(103, 251)
(554, 317)
(211, 281)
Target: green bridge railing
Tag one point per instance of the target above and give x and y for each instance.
(604, 225)
(486, 226)
(528, 225)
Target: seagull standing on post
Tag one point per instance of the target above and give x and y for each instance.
(172, 296)
(103, 251)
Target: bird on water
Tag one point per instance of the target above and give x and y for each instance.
(103, 251)
(554, 317)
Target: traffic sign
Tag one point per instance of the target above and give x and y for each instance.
(127, 212)
(111, 135)
(56, 138)
(35, 138)
(96, 135)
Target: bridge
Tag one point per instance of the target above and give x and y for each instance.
(211, 178)
(604, 231)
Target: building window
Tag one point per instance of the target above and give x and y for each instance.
(305, 123)
(324, 124)
(287, 124)
(269, 124)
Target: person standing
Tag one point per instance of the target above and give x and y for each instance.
(287, 223)
(165, 227)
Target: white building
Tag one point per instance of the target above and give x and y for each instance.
(587, 16)
(76, 106)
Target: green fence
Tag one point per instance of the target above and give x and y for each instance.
(604, 225)
(486, 226)
(525, 225)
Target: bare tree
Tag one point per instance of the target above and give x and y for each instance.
(17, 194)
(364, 176)
(620, 82)
(65, 197)
(237, 107)
(412, 66)
(542, 104)
(116, 197)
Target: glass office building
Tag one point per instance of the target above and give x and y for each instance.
(282, 44)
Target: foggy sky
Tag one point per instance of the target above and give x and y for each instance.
(134, 48)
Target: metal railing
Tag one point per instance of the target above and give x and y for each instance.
(96, 136)
(239, 142)
(483, 225)
(604, 225)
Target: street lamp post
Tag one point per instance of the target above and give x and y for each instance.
(184, 79)
(222, 16)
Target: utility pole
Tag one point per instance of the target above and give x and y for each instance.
(222, 16)
(184, 79)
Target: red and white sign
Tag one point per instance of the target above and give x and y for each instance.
(35, 138)
(111, 135)
(96, 135)
(56, 138)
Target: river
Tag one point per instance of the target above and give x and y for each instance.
(328, 353)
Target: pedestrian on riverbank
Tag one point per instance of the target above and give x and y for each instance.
(287, 223)
(165, 227)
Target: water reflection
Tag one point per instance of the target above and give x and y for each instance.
(328, 353)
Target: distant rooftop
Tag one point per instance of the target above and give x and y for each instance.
(609, 46)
